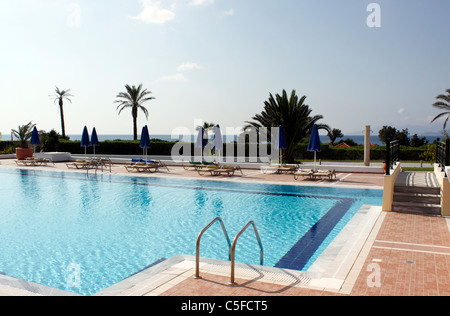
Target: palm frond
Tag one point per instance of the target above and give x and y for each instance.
(443, 104)
(133, 98)
(291, 112)
(440, 115)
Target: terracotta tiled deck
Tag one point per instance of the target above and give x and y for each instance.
(409, 254)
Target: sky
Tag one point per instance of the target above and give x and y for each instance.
(358, 62)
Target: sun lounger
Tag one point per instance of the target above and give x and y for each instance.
(324, 174)
(142, 165)
(33, 162)
(277, 168)
(79, 164)
(219, 170)
(194, 165)
(287, 169)
(145, 167)
(159, 163)
(303, 173)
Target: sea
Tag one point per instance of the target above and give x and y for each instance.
(359, 139)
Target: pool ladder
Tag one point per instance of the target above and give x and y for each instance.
(99, 162)
(231, 247)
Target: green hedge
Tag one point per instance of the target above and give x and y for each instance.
(357, 153)
(116, 148)
(163, 148)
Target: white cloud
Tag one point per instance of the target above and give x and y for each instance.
(188, 66)
(177, 77)
(180, 76)
(229, 12)
(401, 111)
(160, 12)
(201, 2)
(153, 12)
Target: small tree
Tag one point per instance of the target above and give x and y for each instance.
(23, 133)
(389, 133)
(334, 134)
(418, 142)
(50, 140)
(206, 128)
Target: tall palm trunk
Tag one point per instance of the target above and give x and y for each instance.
(59, 96)
(63, 128)
(134, 114)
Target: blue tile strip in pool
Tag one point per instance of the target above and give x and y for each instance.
(298, 256)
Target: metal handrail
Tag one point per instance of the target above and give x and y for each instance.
(443, 154)
(100, 162)
(233, 249)
(197, 257)
(89, 166)
(392, 155)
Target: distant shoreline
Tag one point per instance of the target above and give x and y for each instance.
(359, 139)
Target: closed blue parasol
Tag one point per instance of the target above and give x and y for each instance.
(145, 140)
(201, 141)
(218, 140)
(35, 138)
(85, 140)
(280, 142)
(314, 143)
(94, 139)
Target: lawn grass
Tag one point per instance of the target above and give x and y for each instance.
(417, 169)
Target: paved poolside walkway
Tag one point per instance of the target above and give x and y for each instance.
(419, 179)
(409, 256)
(404, 255)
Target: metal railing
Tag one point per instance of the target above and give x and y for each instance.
(392, 155)
(233, 249)
(99, 162)
(443, 154)
(197, 256)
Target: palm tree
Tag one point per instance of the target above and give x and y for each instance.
(293, 114)
(206, 127)
(23, 133)
(134, 98)
(334, 134)
(60, 96)
(443, 104)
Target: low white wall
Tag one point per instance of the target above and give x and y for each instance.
(445, 188)
(388, 188)
(54, 156)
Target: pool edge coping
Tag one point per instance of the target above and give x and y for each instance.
(158, 279)
(38, 289)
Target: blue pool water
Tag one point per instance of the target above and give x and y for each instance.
(83, 233)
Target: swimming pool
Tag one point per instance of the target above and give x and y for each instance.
(83, 233)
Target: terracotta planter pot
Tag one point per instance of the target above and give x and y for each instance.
(23, 153)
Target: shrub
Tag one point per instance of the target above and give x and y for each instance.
(164, 148)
